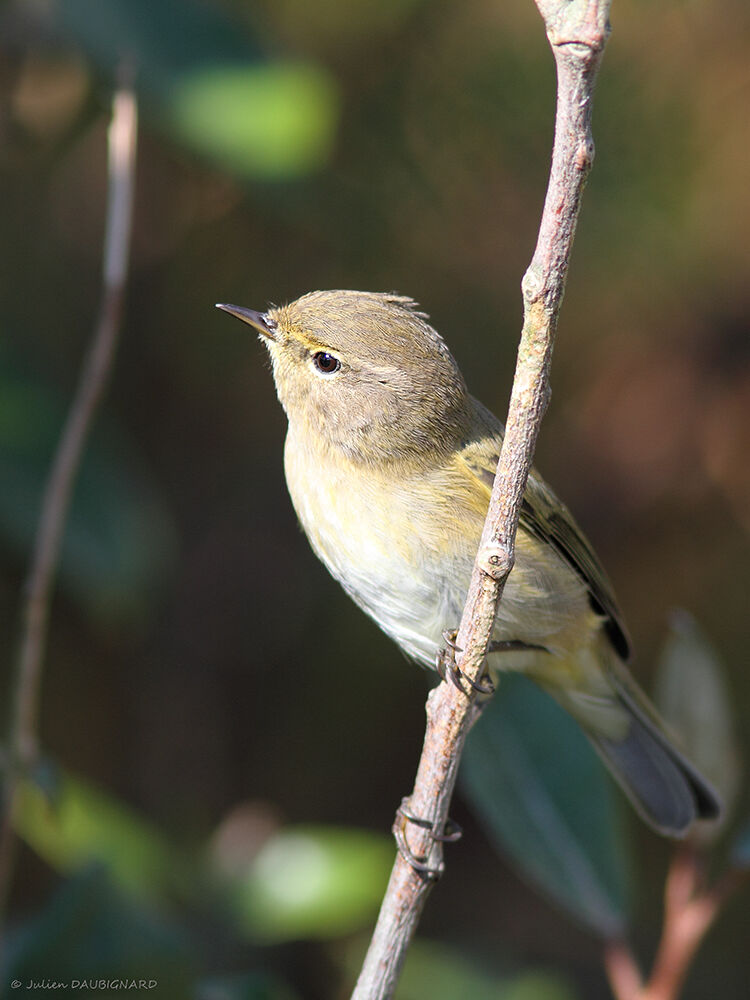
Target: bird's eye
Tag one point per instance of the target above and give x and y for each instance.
(326, 363)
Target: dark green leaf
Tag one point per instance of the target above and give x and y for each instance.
(692, 696)
(248, 986)
(166, 38)
(88, 932)
(546, 802)
(739, 854)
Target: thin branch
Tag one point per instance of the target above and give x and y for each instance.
(622, 970)
(577, 31)
(23, 742)
(689, 913)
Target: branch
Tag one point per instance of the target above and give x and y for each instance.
(622, 970)
(577, 31)
(689, 912)
(23, 741)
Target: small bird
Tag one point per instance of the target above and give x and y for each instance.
(390, 462)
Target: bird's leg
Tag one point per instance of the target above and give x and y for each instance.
(447, 668)
(451, 833)
(506, 645)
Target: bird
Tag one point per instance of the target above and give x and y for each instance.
(389, 462)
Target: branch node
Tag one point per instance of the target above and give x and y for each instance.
(584, 49)
(495, 561)
(532, 285)
(583, 33)
(584, 156)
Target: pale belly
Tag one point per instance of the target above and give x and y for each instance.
(405, 554)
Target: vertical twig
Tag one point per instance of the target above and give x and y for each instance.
(577, 31)
(23, 740)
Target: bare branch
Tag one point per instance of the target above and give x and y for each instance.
(622, 971)
(577, 31)
(23, 742)
(689, 912)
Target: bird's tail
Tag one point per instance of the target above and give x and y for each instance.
(625, 729)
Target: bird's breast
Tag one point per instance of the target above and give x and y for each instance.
(402, 543)
(402, 551)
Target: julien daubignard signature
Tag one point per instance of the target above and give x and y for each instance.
(84, 984)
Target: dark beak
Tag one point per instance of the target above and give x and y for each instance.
(261, 321)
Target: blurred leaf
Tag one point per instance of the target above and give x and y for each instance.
(739, 854)
(164, 38)
(538, 986)
(119, 539)
(691, 694)
(206, 78)
(544, 797)
(79, 825)
(313, 882)
(442, 973)
(89, 932)
(274, 120)
(248, 986)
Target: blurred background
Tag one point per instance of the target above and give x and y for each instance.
(204, 674)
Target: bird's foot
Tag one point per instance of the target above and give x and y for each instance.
(447, 668)
(451, 833)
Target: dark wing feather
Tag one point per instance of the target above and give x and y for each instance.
(545, 517)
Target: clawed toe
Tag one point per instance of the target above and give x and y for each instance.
(449, 638)
(451, 833)
(447, 668)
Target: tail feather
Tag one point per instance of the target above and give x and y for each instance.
(664, 787)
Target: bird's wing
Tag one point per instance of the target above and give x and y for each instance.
(549, 520)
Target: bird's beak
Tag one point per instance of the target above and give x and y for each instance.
(261, 321)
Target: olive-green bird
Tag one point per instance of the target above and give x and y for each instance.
(390, 463)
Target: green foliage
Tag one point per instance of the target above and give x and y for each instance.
(305, 882)
(205, 77)
(692, 696)
(247, 986)
(313, 882)
(88, 931)
(546, 802)
(119, 540)
(270, 120)
(76, 825)
(740, 852)
(442, 973)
